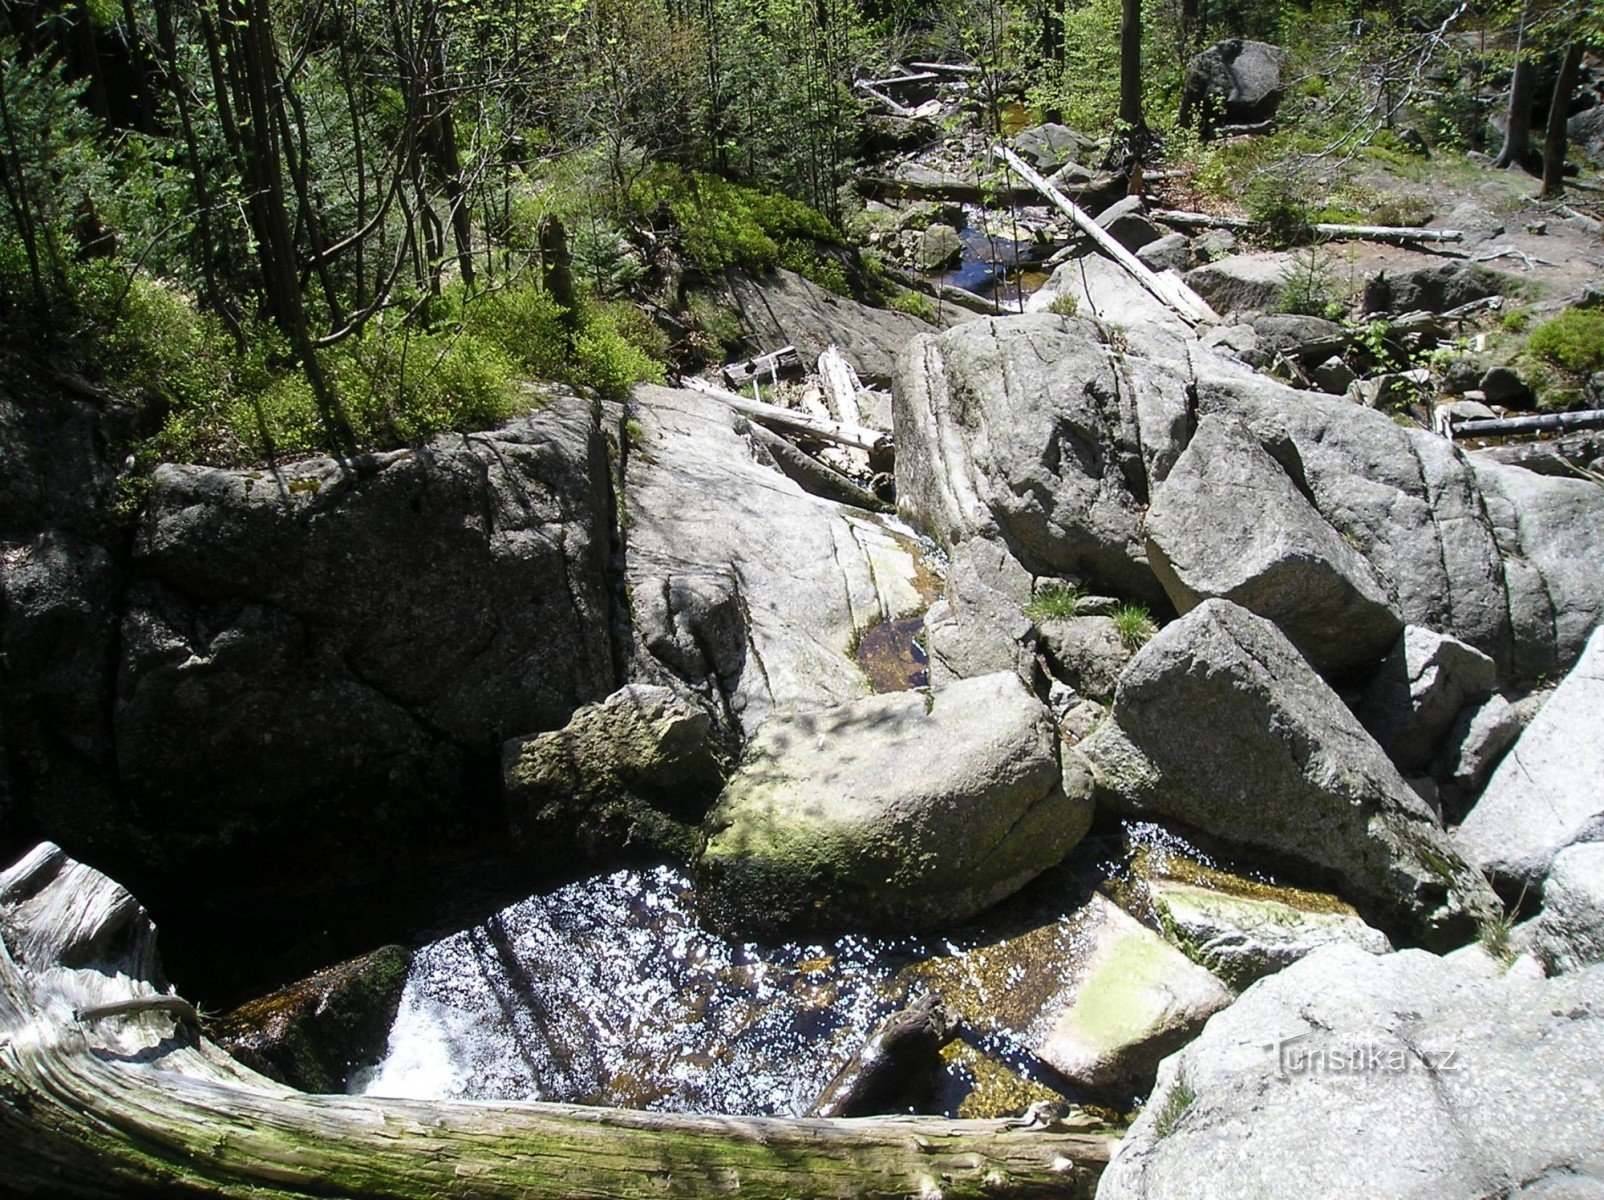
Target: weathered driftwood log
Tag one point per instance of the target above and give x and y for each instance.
(1559, 456)
(814, 476)
(898, 1061)
(841, 385)
(868, 89)
(791, 420)
(773, 364)
(946, 68)
(1186, 303)
(1592, 418)
(1402, 234)
(129, 1105)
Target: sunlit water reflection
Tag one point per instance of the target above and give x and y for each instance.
(607, 992)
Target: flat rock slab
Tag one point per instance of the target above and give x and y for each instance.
(1219, 723)
(1091, 991)
(1546, 793)
(1242, 282)
(741, 583)
(895, 810)
(1244, 937)
(1350, 1074)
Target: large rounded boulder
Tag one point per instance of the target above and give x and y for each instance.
(893, 811)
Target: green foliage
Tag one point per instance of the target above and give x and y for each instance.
(1085, 89)
(1177, 1101)
(612, 350)
(1277, 202)
(1572, 341)
(1515, 320)
(1064, 305)
(1055, 600)
(1562, 353)
(723, 224)
(915, 304)
(1313, 287)
(1135, 624)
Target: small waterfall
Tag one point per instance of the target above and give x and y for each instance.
(607, 992)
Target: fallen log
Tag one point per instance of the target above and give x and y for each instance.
(1402, 234)
(773, 364)
(796, 422)
(841, 385)
(1592, 418)
(812, 475)
(868, 89)
(1186, 303)
(945, 68)
(1561, 456)
(129, 1106)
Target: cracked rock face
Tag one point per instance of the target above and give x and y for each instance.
(1228, 522)
(1052, 435)
(1350, 1074)
(741, 583)
(1030, 430)
(893, 811)
(325, 649)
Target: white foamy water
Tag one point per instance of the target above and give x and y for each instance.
(607, 992)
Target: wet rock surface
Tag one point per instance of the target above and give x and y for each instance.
(1221, 725)
(315, 1035)
(629, 777)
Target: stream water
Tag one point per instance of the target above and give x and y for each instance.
(998, 257)
(607, 992)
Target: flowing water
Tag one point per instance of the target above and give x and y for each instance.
(607, 992)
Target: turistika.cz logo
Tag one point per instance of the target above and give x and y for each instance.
(1298, 1056)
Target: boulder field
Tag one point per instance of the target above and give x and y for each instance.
(1159, 590)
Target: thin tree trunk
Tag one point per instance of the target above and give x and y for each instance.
(1559, 111)
(1130, 67)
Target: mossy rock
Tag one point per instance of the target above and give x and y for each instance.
(316, 1033)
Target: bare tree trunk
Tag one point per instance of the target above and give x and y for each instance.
(1518, 126)
(1559, 110)
(1130, 67)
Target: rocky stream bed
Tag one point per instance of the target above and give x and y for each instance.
(1212, 754)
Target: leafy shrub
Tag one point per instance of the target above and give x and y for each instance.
(723, 224)
(1276, 202)
(915, 305)
(1064, 305)
(1312, 287)
(1573, 341)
